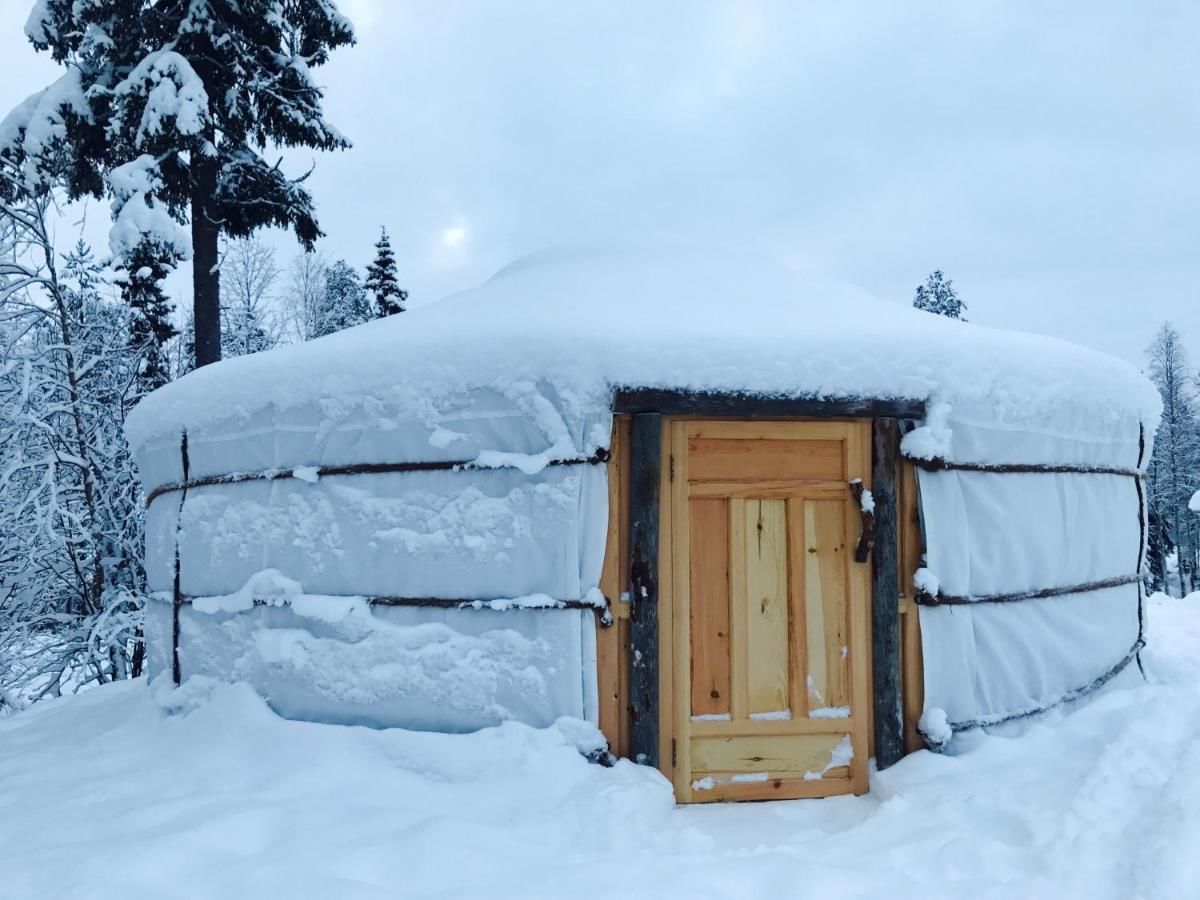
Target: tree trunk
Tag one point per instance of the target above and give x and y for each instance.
(139, 653)
(206, 277)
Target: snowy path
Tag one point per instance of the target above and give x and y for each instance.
(106, 795)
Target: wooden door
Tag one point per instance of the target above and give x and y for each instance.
(771, 648)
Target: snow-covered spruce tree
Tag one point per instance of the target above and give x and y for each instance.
(1174, 473)
(381, 279)
(191, 94)
(937, 295)
(249, 275)
(150, 328)
(344, 302)
(72, 581)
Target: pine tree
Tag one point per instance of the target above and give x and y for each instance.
(80, 277)
(167, 108)
(381, 279)
(345, 301)
(150, 329)
(937, 295)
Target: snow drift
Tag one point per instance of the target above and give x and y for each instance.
(201, 792)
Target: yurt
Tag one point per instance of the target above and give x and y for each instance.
(758, 527)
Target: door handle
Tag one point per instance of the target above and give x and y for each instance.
(866, 508)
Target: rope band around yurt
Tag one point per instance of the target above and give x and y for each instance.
(926, 599)
(602, 607)
(937, 464)
(1069, 697)
(598, 458)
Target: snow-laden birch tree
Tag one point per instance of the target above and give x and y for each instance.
(71, 572)
(249, 274)
(304, 295)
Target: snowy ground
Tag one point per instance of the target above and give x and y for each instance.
(116, 794)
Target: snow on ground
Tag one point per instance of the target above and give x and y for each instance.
(131, 790)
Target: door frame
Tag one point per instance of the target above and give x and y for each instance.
(650, 672)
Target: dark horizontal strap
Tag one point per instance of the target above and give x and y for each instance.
(925, 599)
(1069, 697)
(604, 607)
(600, 456)
(482, 604)
(749, 404)
(937, 464)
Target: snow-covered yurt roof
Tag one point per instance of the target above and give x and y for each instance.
(526, 364)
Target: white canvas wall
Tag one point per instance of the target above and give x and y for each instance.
(478, 534)
(991, 534)
(522, 530)
(428, 669)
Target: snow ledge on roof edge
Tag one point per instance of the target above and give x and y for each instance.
(571, 322)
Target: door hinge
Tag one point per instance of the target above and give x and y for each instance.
(674, 754)
(672, 466)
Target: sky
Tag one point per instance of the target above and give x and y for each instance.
(1045, 156)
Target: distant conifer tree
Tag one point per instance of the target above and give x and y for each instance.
(937, 295)
(150, 328)
(381, 279)
(345, 301)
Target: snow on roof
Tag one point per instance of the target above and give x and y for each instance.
(584, 320)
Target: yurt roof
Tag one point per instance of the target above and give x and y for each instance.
(555, 332)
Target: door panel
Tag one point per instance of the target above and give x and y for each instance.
(760, 597)
(826, 572)
(770, 694)
(709, 562)
(764, 459)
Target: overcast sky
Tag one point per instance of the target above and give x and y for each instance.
(1044, 155)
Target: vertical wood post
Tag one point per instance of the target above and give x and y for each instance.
(645, 449)
(885, 605)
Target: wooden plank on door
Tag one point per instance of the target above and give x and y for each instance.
(793, 754)
(797, 618)
(709, 589)
(739, 646)
(765, 595)
(764, 459)
(825, 600)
